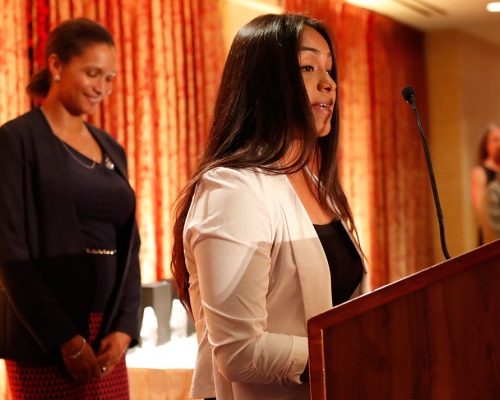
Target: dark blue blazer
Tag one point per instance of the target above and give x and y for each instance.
(47, 280)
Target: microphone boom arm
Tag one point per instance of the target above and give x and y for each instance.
(410, 100)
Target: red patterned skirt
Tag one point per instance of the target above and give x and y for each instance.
(53, 381)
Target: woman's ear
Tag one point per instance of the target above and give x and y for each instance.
(54, 66)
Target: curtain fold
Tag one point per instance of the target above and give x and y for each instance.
(14, 66)
(399, 170)
(382, 163)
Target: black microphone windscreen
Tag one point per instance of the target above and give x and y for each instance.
(408, 93)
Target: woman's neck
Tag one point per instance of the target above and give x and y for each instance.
(63, 124)
(294, 154)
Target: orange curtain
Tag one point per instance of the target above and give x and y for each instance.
(14, 69)
(170, 56)
(383, 164)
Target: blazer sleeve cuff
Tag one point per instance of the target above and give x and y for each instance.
(299, 357)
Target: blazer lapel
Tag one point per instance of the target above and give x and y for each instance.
(308, 253)
(112, 151)
(364, 286)
(54, 190)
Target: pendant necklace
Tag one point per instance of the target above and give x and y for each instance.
(76, 158)
(71, 152)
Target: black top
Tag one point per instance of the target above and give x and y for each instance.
(490, 174)
(104, 202)
(346, 267)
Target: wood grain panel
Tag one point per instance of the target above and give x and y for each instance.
(433, 335)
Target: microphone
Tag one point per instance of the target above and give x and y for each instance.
(409, 96)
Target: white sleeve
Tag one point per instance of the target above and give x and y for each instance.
(229, 233)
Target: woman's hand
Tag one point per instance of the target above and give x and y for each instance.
(80, 359)
(111, 351)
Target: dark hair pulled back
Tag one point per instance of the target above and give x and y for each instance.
(67, 40)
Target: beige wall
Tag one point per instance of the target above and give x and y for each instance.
(237, 13)
(463, 97)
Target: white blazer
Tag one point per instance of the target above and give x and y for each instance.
(258, 272)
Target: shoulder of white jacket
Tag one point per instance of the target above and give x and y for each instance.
(254, 180)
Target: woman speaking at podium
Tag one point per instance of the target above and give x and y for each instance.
(264, 236)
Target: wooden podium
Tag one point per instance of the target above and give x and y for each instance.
(434, 335)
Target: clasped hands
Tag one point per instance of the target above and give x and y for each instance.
(83, 364)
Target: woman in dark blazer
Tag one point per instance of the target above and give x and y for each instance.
(69, 266)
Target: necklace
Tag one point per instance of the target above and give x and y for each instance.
(69, 151)
(76, 158)
(108, 162)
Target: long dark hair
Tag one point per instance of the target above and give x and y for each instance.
(261, 107)
(68, 39)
